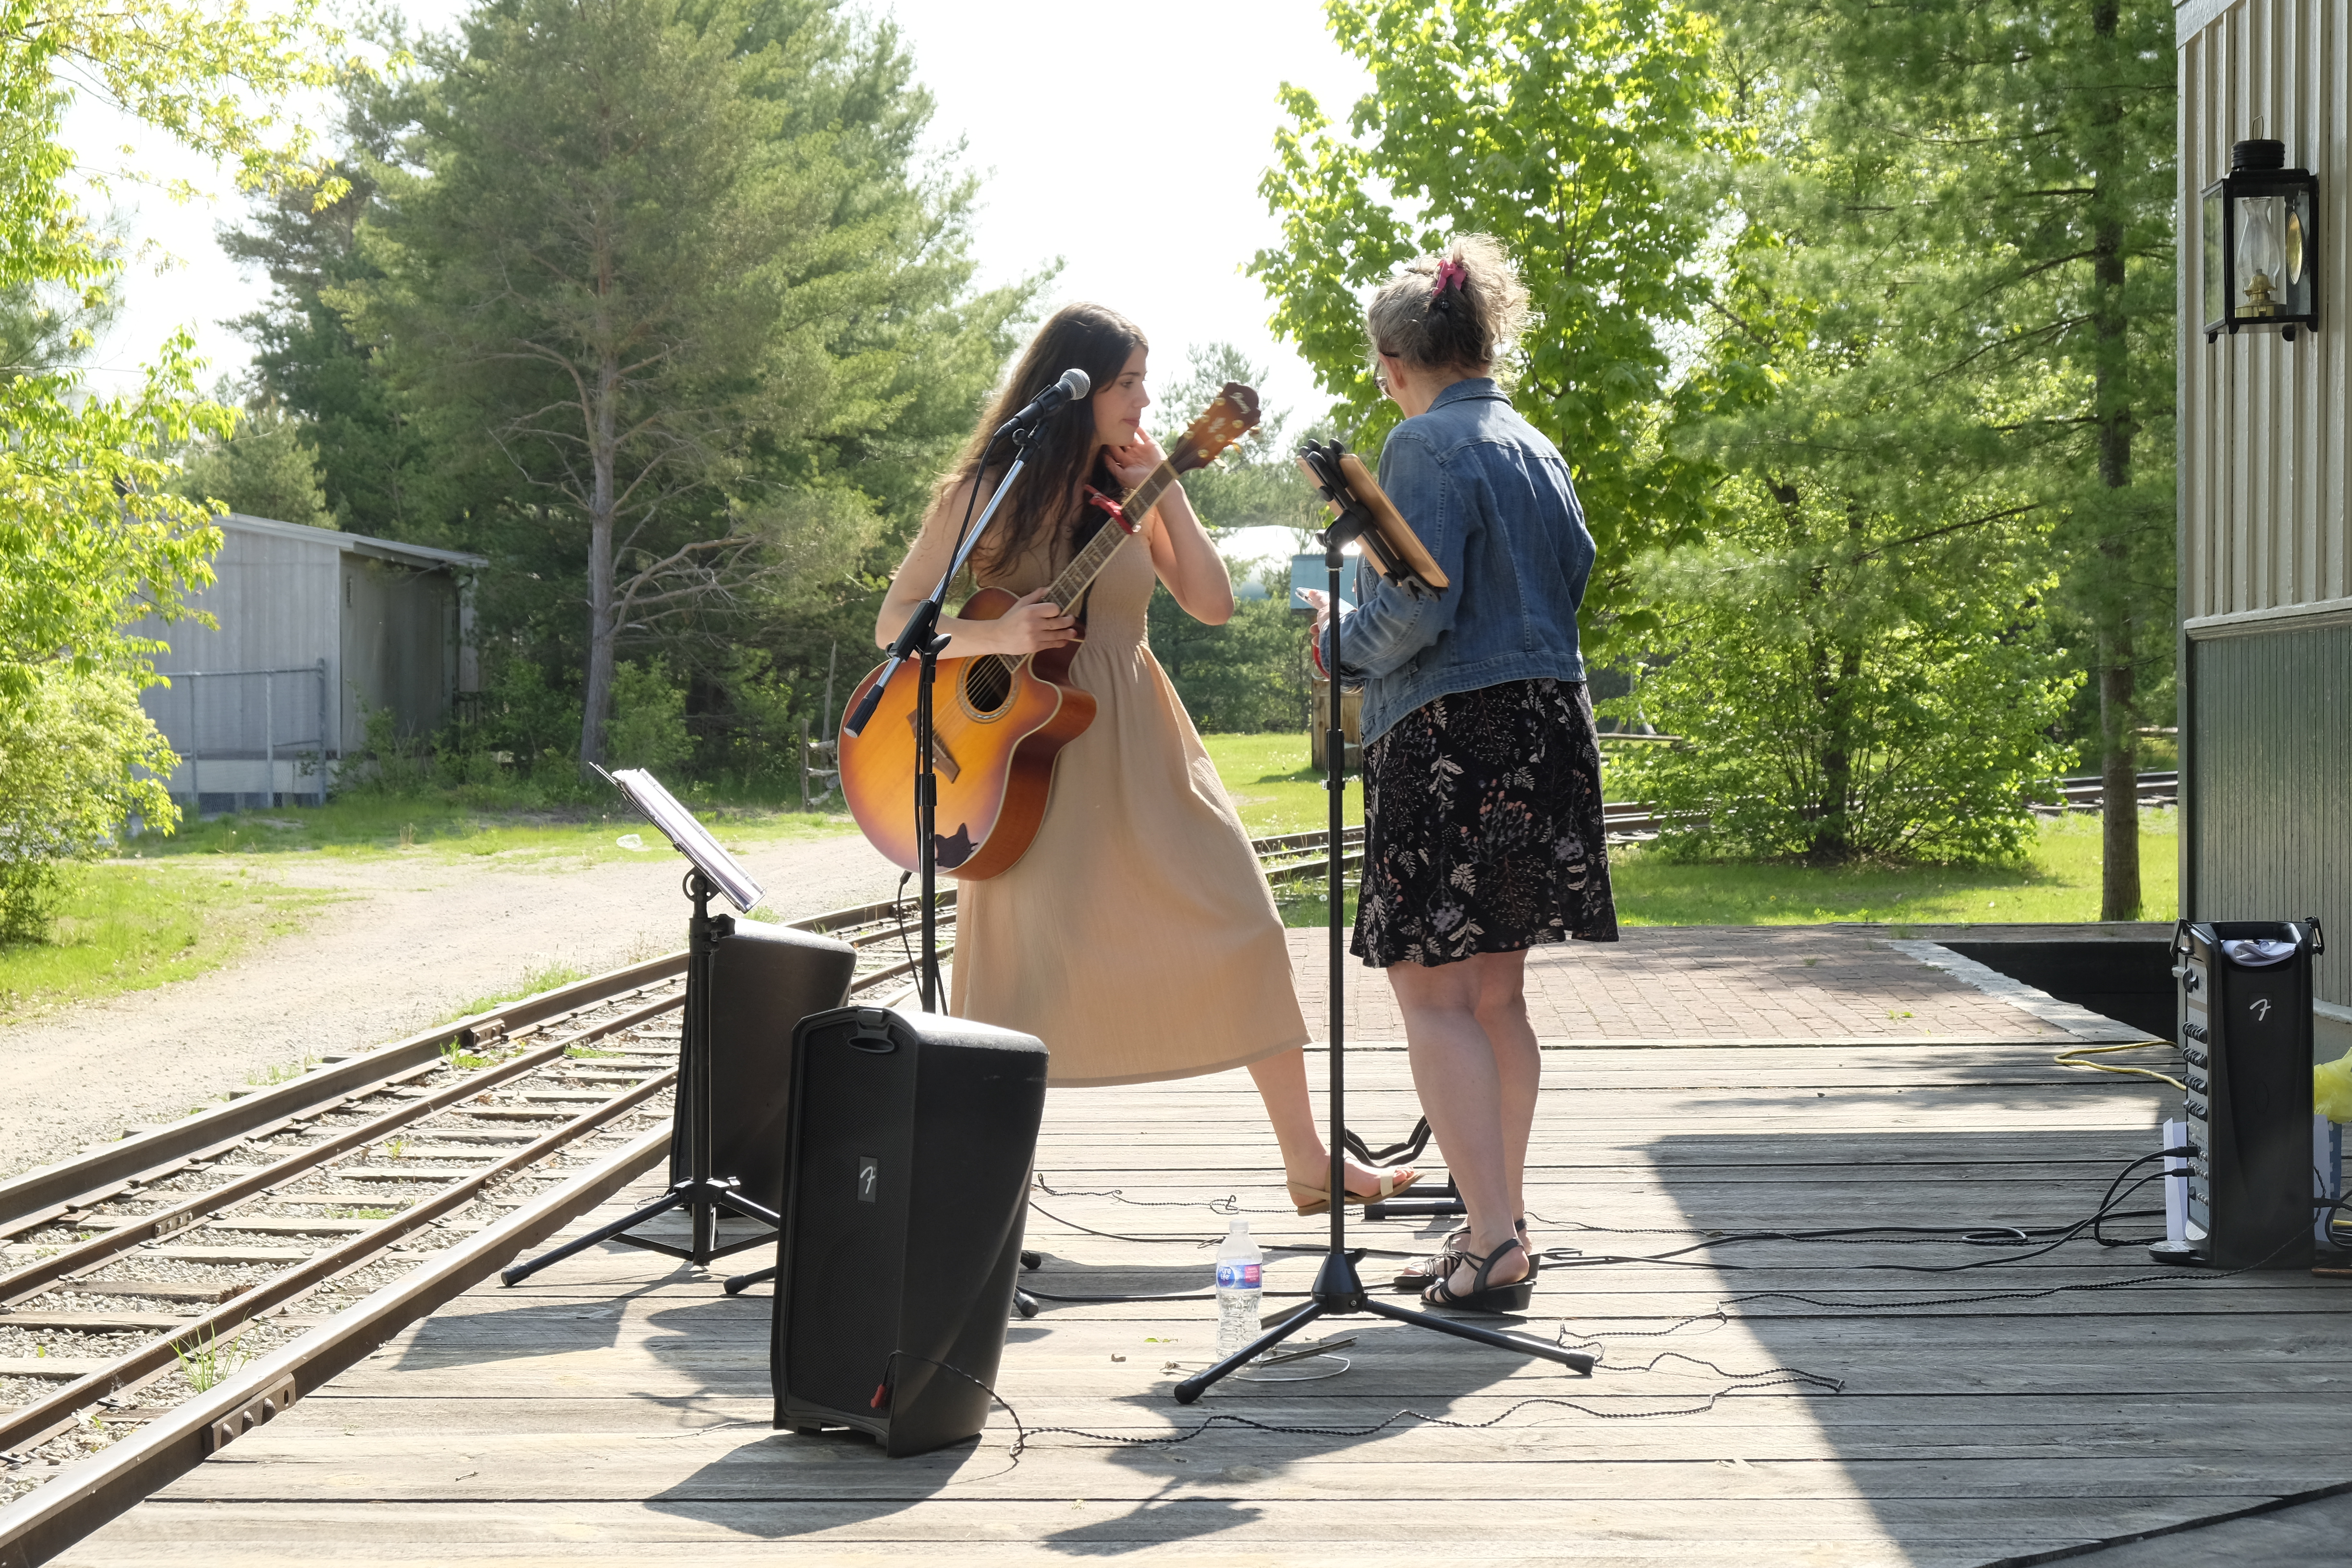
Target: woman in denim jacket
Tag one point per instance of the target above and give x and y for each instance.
(1482, 779)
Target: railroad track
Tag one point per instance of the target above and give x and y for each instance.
(163, 1294)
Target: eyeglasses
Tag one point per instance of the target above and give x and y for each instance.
(1381, 379)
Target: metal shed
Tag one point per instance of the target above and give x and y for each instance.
(316, 630)
(2266, 583)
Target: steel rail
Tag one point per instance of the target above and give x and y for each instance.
(41, 1194)
(28, 1423)
(98, 1250)
(86, 1493)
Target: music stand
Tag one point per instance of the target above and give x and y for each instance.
(700, 1192)
(1364, 512)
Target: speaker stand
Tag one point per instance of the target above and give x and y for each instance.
(1337, 1288)
(701, 1193)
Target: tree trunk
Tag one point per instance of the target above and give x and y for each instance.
(1833, 835)
(2119, 893)
(2119, 896)
(603, 618)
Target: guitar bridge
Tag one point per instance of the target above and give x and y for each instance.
(942, 760)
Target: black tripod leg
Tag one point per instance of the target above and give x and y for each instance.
(742, 1283)
(1192, 1388)
(1526, 1344)
(522, 1271)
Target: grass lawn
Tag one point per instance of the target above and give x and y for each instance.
(2059, 881)
(131, 925)
(1272, 786)
(364, 826)
(1269, 780)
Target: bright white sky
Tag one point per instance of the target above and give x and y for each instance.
(1126, 140)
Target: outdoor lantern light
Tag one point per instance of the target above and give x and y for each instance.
(2260, 262)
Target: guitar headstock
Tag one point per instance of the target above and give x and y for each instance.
(1231, 415)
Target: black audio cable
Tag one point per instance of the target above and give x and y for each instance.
(1770, 1377)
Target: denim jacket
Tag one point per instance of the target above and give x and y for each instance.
(1492, 500)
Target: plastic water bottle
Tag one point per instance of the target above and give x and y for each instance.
(1241, 1286)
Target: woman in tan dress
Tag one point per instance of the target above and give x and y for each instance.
(1137, 937)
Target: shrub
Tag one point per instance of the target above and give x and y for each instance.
(648, 724)
(1840, 700)
(78, 757)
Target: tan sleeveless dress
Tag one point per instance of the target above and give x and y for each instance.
(1137, 937)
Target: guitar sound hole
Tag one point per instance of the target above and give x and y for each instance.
(986, 684)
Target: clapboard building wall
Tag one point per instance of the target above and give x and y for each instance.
(315, 630)
(2265, 572)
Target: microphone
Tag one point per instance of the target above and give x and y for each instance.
(1073, 386)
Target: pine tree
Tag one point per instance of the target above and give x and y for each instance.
(675, 265)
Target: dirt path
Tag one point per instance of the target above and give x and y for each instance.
(411, 940)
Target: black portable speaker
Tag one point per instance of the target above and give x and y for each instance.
(2245, 1035)
(765, 980)
(911, 1140)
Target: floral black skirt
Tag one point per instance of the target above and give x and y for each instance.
(1483, 829)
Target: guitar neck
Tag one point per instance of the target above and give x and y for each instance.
(1082, 571)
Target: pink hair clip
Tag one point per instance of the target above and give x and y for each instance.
(1450, 274)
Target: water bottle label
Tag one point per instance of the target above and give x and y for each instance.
(1240, 1275)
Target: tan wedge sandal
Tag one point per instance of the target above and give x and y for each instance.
(1317, 1200)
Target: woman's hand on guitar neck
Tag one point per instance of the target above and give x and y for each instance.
(1030, 625)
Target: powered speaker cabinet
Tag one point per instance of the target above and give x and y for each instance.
(2245, 1034)
(911, 1140)
(764, 979)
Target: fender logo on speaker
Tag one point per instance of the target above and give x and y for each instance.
(869, 1173)
(2260, 1007)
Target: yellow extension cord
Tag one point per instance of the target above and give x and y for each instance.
(2331, 1081)
(2070, 1057)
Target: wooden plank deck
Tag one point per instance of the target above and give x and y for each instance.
(613, 1411)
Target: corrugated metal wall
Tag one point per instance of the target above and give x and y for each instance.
(2265, 572)
(2273, 837)
(273, 598)
(2263, 421)
(399, 645)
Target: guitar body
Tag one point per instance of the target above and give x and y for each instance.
(995, 734)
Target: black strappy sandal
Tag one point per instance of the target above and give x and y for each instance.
(1484, 1298)
(1417, 1276)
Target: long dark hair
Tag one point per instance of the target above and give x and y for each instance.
(1095, 339)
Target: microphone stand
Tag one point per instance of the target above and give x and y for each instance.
(1338, 1290)
(920, 640)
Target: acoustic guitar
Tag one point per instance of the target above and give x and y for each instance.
(999, 721)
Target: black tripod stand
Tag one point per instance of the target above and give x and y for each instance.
(699, 1192)
(1338, 1290)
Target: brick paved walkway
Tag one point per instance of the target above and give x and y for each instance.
(1710, 982)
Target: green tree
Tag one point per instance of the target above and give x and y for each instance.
(263, 469)
(1561, 127)
(1257, 482)
(390, 463)
(91, 536)
(1978, 196)
(1843, 688)
(675, 264)
(1249, 673)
